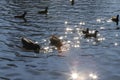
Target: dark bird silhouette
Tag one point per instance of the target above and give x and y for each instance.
(30, 45)
(72, 2)
(44, 12)
(89, 35)
(55, 41)
(85, 31)
(115, 19)
(21, 16)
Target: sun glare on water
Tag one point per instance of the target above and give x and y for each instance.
(74, 75)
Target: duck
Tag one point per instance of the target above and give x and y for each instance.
(115, 19)
(30, 45)
(44, 12)
(89, 35)
(72, 2)
(85, 31)
(55, 41)
(22, 15)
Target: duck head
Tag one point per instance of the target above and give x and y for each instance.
(117, 16)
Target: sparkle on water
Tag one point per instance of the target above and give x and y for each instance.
(93, 76)
(74, 75)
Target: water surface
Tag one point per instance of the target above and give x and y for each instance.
(83, 59)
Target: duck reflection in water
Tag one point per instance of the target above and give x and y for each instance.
(55, 41)
(22, 16)
(30, 45)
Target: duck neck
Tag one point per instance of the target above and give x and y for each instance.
(95, 34)
(117, 17)
(87, 30)
(46, 10)
(24, 14)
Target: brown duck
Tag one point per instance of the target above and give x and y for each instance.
(89, 35)
(44, 12)
(21, 16)
(55, 41)
(30, 45)
(115, 19)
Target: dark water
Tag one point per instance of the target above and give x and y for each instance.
(83, 59)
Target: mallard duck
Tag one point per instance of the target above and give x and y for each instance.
(88, 35)
(44, 12)
(115, 19)
(22, 15)
(30, 45)
(85, 31)
(55, 41)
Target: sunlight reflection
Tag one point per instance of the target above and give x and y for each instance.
(69, 29)
(94, 43)
(88, 40)
(75, 26)
(74, 75)
(66, 32)
(65, 46)
(98, 34)
(76, 46)
(76, 38)
(98, 20)
(68, 41)
(102, 28)
(93, 31)
(44, 40)
(93, 76)
(79, 75)
(116, 44)
(66, 22)
(109, 20)
(47, 49)
(82, 23)
(61, 37)
(116, 35)
(101, 39)
(78, 42)
(36, 42)
(78, 29)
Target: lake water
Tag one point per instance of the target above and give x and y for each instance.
(82, 59)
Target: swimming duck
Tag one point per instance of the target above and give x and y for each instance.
(22, 15)
(85, 31)
(44, 12)
(30, 45)
(115, 19)
(88, 35)
(55, 41)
